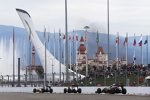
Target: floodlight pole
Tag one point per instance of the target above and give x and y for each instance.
(66, 50)
(108, 31)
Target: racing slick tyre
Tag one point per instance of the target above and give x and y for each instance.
(124, 91)
(118, 90)
(99, 91)
(105, 90)
(112, 91)
(42, 90)
(51, 90)
(69, 90)
(79, 90)
(46, 90)
(34, 90)
(65, 90)
(74, 91)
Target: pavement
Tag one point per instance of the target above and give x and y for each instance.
(47, 96)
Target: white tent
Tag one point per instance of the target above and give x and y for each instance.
(147, 78)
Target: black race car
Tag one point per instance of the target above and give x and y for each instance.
(112, 89)
(42, 90)
(72, 89)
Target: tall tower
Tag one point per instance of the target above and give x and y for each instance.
(81, 56)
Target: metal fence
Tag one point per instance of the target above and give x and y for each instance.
(95, 78)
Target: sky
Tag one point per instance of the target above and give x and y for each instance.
(126, 16)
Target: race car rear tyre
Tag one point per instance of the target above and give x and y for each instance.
(65, 90)
(51, 90)
(112, 91)
(79, 90)
(99, 91)
(69, 90)
(74, 91)
(34, 90)
(42, 90)
(105, 90)
(46, 90)
(124, 91)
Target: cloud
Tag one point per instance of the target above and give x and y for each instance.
(125, 15)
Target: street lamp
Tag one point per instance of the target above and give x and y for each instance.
(66, 48)
(108, 30)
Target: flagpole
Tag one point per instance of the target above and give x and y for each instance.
(45, 70)
(64, 48)
(141, 54)
(49, 42)
(134, 52)
(60, 55)
(70, 53)
(134, 56)
(86, 35)
(13, 57)
(147, 50)
(127, 49)
(73, 59)
(54, 43)
(116, 50)
(97, 47)
(76, 60)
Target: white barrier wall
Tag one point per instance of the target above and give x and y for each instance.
(85, 90)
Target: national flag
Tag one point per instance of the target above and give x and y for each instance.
(85, 38)
(76, 37)
(140, 41)
(64, 37)
(134, 43)
(125, 41)
(134, 58)
(69, 37)
(72, 38)
(97, 38)
(146, 41)
(117, 39)
(59, 34)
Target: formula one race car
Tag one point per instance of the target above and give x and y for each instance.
(73, 89)
(112, 89)
(42, 90)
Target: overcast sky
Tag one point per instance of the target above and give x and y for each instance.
(132, 16)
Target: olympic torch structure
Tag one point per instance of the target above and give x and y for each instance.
(39, 47)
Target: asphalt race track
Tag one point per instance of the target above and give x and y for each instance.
(47, 96)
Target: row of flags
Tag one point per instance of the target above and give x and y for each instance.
(134, 42)
(125, 43)
(97, 39)
(63, 36)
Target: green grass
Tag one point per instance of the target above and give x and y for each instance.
(133, 79)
